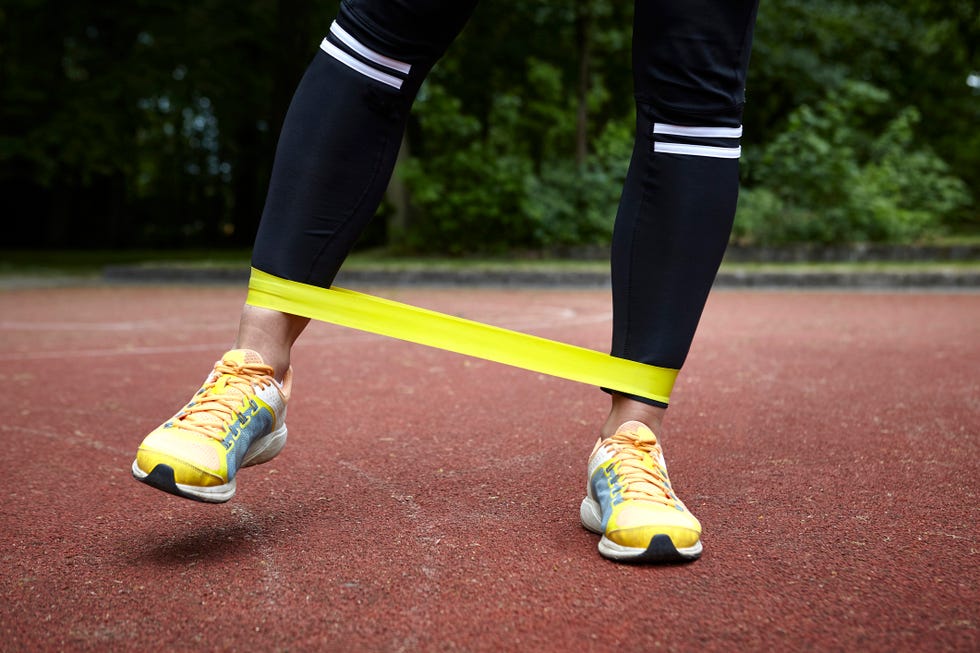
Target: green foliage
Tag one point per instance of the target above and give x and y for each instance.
(575, 205)
(153, 123)
(494, 167)
(143, 123)
(469, 190)
(831, 177)
(510, 183)
(920, 52)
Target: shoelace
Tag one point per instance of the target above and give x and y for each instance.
(219, 401)
(636, 461)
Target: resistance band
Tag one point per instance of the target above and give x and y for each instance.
(388, 318)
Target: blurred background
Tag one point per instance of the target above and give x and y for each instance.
(152, 124)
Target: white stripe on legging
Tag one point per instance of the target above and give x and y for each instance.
(359, 66)
(367, 52)
(697, 132)
(698, 150)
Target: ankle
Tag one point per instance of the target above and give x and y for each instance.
(624, 409)
(271, 334)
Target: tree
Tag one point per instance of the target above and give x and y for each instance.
(145, 123)
(154, 123)
(919, 52)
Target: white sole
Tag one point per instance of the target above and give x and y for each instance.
(261, 451)
(661, 548)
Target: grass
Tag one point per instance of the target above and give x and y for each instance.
(91, 263)
(867, 267)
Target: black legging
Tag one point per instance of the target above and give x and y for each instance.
(344, 127)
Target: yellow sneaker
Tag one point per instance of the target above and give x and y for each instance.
(630, 501)
(236, 419)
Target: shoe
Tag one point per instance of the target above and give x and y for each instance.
(629, 501)
(236, 419)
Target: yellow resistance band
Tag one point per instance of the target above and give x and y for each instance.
(388, 318)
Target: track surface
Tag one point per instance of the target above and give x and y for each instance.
(829, 443)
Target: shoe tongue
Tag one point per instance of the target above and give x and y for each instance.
(243, 357)
(236, 357)
(639, 431)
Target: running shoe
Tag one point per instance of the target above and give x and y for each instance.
(630, 502)
(236, 419)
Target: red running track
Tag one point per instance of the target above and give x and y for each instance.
(429, 502)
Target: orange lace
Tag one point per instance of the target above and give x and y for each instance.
(219, 401)
(637, 463)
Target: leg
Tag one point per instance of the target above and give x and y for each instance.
(678, 203)
(338, 147)
(343, 130)
(335, 155)
(624, 408)
(271, 334)
(674, 221)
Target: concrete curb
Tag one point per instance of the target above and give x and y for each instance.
(856, 280)
(941, 279)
